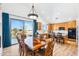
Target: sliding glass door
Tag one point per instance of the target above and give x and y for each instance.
(15, 26)
(26, 26)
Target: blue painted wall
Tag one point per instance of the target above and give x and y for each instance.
(6, 30)
(35, 27)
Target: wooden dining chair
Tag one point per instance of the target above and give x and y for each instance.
(29, 51)
(60, 38)
(48, 51)
(21, 45)
(21, 48)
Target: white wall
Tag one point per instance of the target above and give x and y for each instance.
(78, 34)
(1, 29)
(77, 10)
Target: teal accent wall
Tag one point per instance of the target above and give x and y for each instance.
(35, 27)
(6, 30)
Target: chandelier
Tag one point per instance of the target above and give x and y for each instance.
(32, 14)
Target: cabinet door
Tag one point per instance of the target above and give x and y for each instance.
(39, 26)
(72, 24)
(49, 26)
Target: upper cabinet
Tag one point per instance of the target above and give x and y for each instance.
(62, 25)
(39, 24)
(72, 24)
(50, 26)
(65, 25)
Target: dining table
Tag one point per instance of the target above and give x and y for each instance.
(42, 43)
(37, 46)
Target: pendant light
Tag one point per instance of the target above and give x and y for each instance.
(32, 14)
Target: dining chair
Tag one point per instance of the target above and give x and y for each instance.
(29, 51)
(48, 51)
(21, 46)
(60, 38)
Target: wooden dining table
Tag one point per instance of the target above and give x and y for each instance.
(39, 45)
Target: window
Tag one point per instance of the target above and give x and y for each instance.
(44, 27)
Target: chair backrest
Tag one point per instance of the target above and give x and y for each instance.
(49, 48)
(59, 34)
(38, 36)
(44, 37)
(18, 36)
(20, 40)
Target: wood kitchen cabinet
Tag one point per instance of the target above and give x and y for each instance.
(72, 24)
(66, 25)
(50, 26)
(56, 26)
(39, 24)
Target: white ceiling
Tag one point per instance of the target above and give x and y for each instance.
(48, 12)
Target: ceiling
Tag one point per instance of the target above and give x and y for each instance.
(48, 12)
